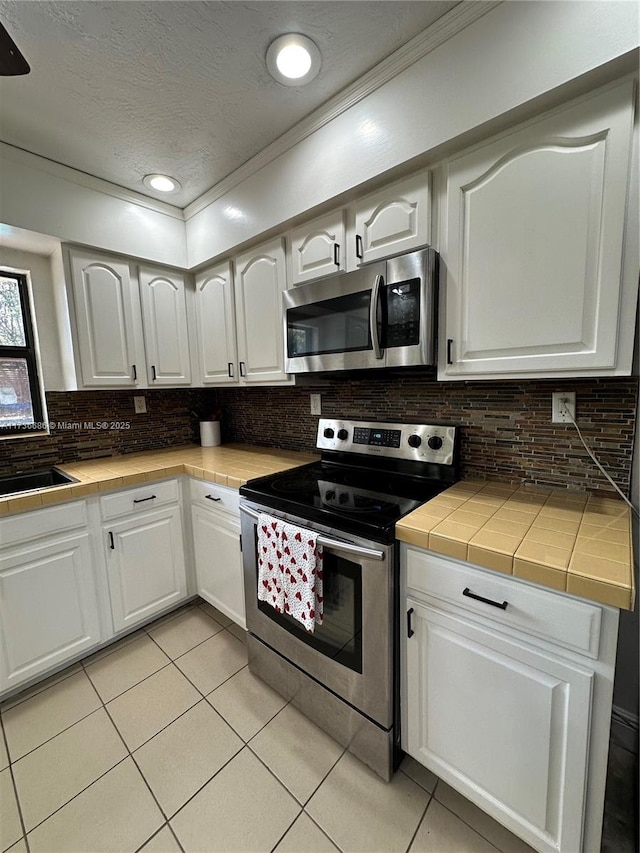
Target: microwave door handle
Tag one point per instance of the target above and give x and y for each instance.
(373, 316)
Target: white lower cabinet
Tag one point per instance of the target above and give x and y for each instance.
(218, 558)
(145, 565)
(48, 598)
(515, 723)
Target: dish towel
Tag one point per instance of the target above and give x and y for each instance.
(290, 570)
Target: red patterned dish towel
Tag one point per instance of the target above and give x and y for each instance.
(290, 570)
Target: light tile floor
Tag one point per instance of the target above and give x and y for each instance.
(165, 742)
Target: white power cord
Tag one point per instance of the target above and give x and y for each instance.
(567, 412)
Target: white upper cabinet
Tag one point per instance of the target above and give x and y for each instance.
(260, 279)
(318, 248)
(533, 250)
(216, 327)
(394, 219)
(109, 334)
(164, 315)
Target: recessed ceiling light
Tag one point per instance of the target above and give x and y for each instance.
(293, 59)
(161, 183)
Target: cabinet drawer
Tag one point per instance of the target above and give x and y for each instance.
(139, 500)
(538, 612)
(42, 522)
(212, 496)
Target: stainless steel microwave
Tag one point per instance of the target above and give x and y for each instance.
(381, 315)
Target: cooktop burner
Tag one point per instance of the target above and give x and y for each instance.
(369, 476)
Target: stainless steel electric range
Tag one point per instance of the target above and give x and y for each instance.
(344, 675)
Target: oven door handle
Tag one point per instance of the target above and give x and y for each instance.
(334, 544)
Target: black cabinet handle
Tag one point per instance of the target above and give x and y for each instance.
(153, 372)
(230, 369)
(134, 372)
(211, 498)
(502, 605)
(358, 246)
(142, 500)
(410, 631)
(111, 545)
(449, 346)
(336, 254)
(243, 369)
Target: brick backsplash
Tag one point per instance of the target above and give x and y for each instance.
(506, 426)
(507, 432)
(169, 421)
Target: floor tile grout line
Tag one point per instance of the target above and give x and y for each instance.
(146, 678)
(473, 828)
(130, 755)
(246, 742)
(419, 824)
(77, 794)
(271, 849)
(15, 790)
(200, 643)
(204, 784)
(43, 689)
(65, 729)
(323, 831)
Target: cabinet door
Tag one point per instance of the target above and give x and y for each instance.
(393, 220)
(503, 723)
(216, 325)
(318, 248)
(164, 314)
(533, 251)
(145, 564)
(218, 558)
(48, 607)
(108, 328)
(259, 283)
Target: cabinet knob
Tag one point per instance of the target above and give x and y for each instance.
(358, 246)
(336, 254)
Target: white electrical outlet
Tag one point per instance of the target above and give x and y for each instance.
(560, 401)
(316, 405)
(139, 405)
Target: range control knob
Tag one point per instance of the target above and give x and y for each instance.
(435, 442)
(415, 441)
(343, 434)
(328, 433)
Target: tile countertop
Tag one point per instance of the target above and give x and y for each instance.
(228, 465)
(569, 541)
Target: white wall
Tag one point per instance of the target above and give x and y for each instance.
(516, 52)
(54, 342)
(51, 199)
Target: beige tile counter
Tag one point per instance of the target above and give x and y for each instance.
(568, 541)
(228, 465)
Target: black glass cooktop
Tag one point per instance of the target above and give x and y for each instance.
(356, 500)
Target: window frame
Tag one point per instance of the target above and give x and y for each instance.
(30, 354)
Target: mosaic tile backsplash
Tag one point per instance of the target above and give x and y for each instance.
(507, 432)
(506, 426)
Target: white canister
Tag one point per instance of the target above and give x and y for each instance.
(210, 433)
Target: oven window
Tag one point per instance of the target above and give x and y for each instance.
(340, 635)
(333, 325)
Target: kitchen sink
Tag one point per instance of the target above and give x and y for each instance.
(32, 481)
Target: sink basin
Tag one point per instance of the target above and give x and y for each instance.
(32, 481)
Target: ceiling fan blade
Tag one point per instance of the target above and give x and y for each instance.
(12, 62)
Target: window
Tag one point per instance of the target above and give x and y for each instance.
(20, 395)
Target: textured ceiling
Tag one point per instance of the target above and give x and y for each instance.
(121, 89)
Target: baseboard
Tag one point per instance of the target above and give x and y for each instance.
(624, 729)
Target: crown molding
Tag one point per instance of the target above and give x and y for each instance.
(460, 17)
(83, 179)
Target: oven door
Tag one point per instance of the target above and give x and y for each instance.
(351, 653)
